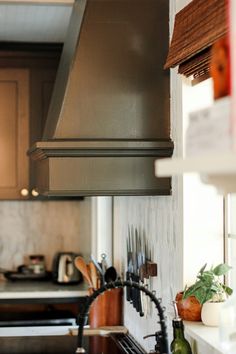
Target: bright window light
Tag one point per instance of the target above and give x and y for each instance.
(203, 207)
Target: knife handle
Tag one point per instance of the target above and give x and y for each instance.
(128, 290)
(137, 295)
(134, 292)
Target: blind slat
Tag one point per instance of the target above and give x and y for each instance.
(196, 28)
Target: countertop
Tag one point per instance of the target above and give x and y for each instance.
(207, 338)
(59, 331)
(15, 290)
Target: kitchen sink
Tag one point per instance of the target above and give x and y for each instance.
(49, 340)
(57, 345)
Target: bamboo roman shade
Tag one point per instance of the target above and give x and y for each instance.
(197, 26)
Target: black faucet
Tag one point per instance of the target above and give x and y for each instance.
(161, 346)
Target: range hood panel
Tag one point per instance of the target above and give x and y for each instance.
(100, 168)
(110, 81)
(125, 179)
(109, 118)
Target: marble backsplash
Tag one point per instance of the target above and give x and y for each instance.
(43, 227)
(160, 219)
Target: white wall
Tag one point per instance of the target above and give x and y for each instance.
(203, 206)
(102, 228)
(162, 220)
(43, 227)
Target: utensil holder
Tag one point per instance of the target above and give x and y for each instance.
(107, 309)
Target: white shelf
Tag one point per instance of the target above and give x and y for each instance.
(216, 169)
(210, 164)
(207, 338)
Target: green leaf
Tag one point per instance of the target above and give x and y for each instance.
(227, 289)
(207, 278)
(191, 290)
(209, 296)
(203, 268)
(185, 288)
(200, 295)
(211, 292)
(221, 269)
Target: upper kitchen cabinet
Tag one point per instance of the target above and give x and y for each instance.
(14, 133)
(27, 75)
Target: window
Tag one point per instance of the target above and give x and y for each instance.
(230, 237)
(203, 206)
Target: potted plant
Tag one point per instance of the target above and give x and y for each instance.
(210, 292)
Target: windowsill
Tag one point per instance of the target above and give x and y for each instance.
(205, 336)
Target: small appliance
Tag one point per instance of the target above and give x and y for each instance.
(64, 270)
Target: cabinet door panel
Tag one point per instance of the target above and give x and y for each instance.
(41, 87)
(14, 132)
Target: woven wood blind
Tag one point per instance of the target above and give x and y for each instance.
(196, 28)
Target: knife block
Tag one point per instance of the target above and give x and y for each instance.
(107, 309)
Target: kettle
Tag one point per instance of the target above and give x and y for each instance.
(64, 270)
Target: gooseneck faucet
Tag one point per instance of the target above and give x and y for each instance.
(161, 346)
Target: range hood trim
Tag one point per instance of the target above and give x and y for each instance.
(110, 193)
(56, 181)
(42, 150)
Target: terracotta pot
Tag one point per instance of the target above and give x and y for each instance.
(189, 309)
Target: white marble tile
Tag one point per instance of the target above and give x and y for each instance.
(157, 217)
(43, 227)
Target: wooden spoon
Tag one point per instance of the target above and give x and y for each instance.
(93, 274)
(82, 267)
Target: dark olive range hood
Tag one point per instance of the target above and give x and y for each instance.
(109, 114)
